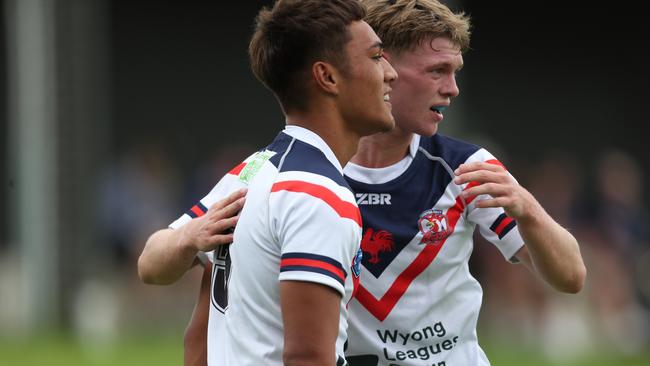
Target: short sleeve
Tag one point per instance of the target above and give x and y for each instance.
(494, 225)
(318, 228)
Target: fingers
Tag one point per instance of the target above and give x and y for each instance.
(478, 165)
(217, 233)
(233, 197)
(481, 176)
(226, 208)
(492, 189)
(481, 172)
(230, 210)
(220, 239)
(222, 226)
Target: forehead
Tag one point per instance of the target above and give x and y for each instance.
(362, 37)
(432, 51)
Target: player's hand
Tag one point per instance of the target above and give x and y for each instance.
(206, 232)
(495, 181)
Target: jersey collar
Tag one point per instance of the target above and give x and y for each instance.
(415, 144)
(311, 138)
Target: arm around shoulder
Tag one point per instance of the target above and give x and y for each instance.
(165, 258)
(169, 253)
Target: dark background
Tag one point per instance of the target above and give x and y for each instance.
(540, 76)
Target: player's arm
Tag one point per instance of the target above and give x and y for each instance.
(319, 233)
(169, 253)
(196, 334)
(310, 312)
(550, 249)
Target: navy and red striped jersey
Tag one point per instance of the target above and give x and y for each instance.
(417, 302)
(300, 223)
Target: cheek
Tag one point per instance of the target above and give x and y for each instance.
(407, 92)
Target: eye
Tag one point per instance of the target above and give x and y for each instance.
(437, 72)
(379, 55)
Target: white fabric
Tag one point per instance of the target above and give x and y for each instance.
(277, 222)
(434, 320)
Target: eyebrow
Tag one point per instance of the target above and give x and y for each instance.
(377, 44)
(445, 64)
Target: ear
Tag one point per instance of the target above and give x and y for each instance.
(326, 77)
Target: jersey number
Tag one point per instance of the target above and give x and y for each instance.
(220, 277)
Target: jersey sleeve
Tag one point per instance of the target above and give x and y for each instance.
(494, 225)
(318, 228)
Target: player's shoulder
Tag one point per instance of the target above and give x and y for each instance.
(304, 168)
(298, 158)
(454, 151)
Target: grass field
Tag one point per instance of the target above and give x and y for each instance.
(159, 350)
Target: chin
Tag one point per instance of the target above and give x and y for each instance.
(385, 124)
(389, 125)
(428, 130)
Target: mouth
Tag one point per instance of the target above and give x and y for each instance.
(439, 109)
(387, 95)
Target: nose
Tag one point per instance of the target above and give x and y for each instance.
(450, 87)
(390, 74)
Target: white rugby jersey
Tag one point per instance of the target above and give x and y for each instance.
(417, 303)
(300, 223)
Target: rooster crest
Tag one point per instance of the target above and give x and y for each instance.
(374, 243)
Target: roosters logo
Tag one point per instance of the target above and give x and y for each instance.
(374, 243)
(433, 226)
(356, 263)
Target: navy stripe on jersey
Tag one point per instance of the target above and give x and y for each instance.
(197, 210)
(309, 262)
(416, 190)
(454, 152)
(304, 157)
(502, 225)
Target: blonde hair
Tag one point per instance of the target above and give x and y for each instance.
(403, 24)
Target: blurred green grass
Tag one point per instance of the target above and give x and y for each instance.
(507, 355)
(65, 350)
(165, 349)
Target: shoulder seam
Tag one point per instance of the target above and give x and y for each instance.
(444, 165)
(293, 139)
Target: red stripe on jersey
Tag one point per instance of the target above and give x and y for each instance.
(470, 198)
(197, 211)
(343, 208)
(496, 162)
(315, 264)
(474, 184)
(380, 308)
(236, 170)
(505, 222)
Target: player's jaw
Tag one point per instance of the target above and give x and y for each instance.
(417, 113)
(365, 94)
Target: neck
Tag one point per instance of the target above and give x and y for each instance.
(342, 141)
(383, 149)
